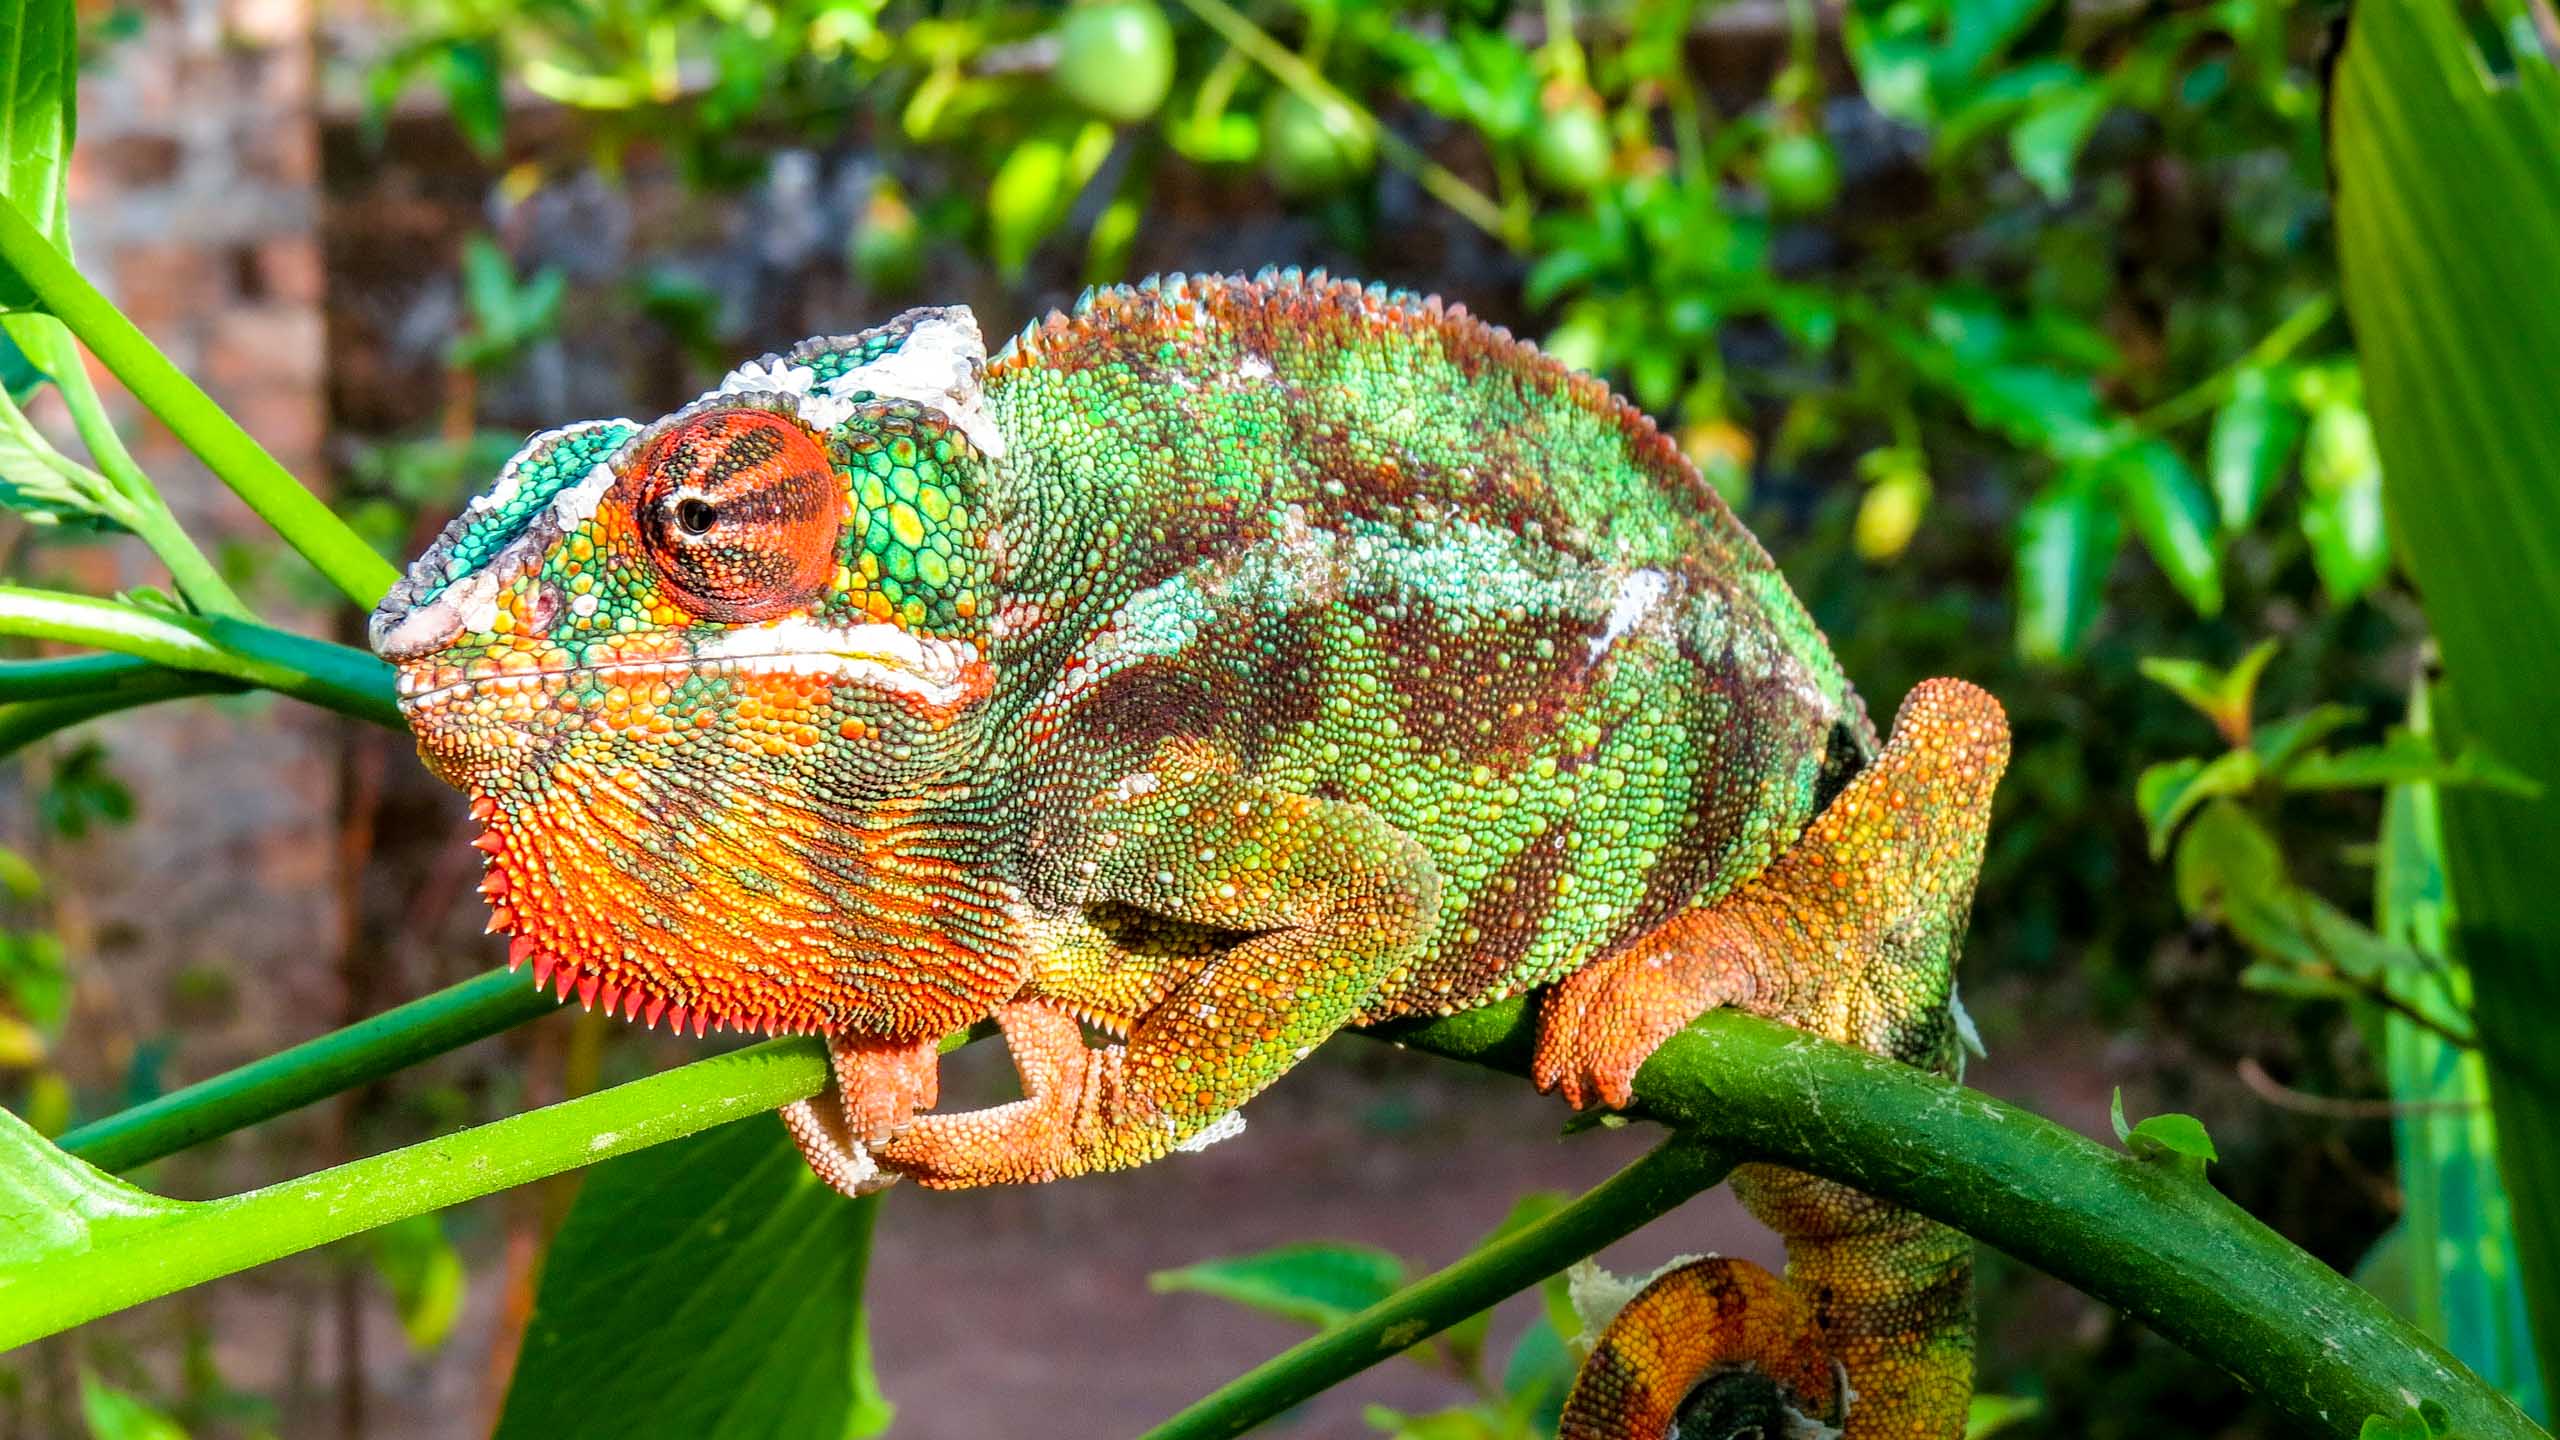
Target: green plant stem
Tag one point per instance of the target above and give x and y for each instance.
(153, 1249)
(338, 677)
(60, 677)
(314, 1070)
(24, 722)
(189, 570)
(2148, 1238)
(238, 460)
(1625, 1203)
(2207, 395)
(1442, 183)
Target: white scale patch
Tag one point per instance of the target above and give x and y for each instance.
(937, 367)
(1639, 591)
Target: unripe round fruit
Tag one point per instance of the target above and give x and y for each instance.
(1116, 58)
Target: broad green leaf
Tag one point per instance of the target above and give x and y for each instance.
(2166, 792)
(2457, 1222)
(2168, 509)
(2448, 237)
(113, 1414)
(2253, 436)
(1539, 1373)
(2067, 541)
(1320, 1283)
(710, 1288)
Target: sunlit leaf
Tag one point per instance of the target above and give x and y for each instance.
(2178, 1139)
(2168, 509)
(113, 1414)
(2224, 697)
(2166, 792)
(2047, 140)
(425, 1275)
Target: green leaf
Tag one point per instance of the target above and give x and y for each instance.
(2401, 760)
(1988, 1415)
(1319, 1283)
(2342, 506)
(2046, 142)
(2224, 697)
(2279, 741)
(52, 1205)
(2179, 1138)
(2253, 436)
(39, 53)
(2225, 852)
(425, 1275)
(2067, 541)
(2166, 792)
(711, 1288)
(2168, 509)
(112, 1414)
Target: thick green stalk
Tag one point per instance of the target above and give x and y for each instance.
(57, 677)
(1625, 1203)
(2146, 1237)
(335, 676)
(24, 722)
(137, 1248)
(237, 459)
(314, 1070)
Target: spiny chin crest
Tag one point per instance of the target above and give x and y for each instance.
(750, 908)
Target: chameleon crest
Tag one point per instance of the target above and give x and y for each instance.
(1221, 664)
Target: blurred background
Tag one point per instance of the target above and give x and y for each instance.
(2010, 326)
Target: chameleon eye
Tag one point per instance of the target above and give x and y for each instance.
(740, 511)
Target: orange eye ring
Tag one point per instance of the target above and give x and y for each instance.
(741, 511)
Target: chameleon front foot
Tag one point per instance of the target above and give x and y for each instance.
(1072, 1096)
(877, 1087)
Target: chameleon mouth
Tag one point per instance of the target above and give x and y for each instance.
(927, 670)
(423, 689)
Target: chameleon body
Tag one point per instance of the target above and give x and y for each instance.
(1219, 665)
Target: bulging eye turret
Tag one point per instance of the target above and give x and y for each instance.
(740, 511)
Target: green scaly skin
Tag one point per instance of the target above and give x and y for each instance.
(1220, 665)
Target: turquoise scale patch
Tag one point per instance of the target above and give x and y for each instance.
(541, 472)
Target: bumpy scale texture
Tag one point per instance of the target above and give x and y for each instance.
(1219, 665)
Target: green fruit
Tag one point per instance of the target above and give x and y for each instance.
(1799, 173)
(1570, 154)
(1116, 58)
(1313, 149)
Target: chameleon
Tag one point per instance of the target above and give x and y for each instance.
(1221, 663)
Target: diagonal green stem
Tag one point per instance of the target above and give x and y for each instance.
(137, 1247)
(1623, 1204)
(338, 677)
(314, 1070)
(237, 459)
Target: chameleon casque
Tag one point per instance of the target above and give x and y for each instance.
(1219, 665)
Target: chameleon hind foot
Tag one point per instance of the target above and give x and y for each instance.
(1708, 1347)
(1069, 1089)
(877, 1087)
(1851, 933)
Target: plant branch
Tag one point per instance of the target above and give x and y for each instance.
(1442, 183)
(237, 459)
(136, 1247)
(337, 677)
(294, 1077)
(193, 574)
(2147, 1238)
(1625, 1203)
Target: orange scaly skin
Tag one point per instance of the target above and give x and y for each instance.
(1219, 665)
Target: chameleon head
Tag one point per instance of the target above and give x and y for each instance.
(693, 673)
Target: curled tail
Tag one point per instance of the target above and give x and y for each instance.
(1852, 934)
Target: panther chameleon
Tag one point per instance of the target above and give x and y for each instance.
(1219, 665)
